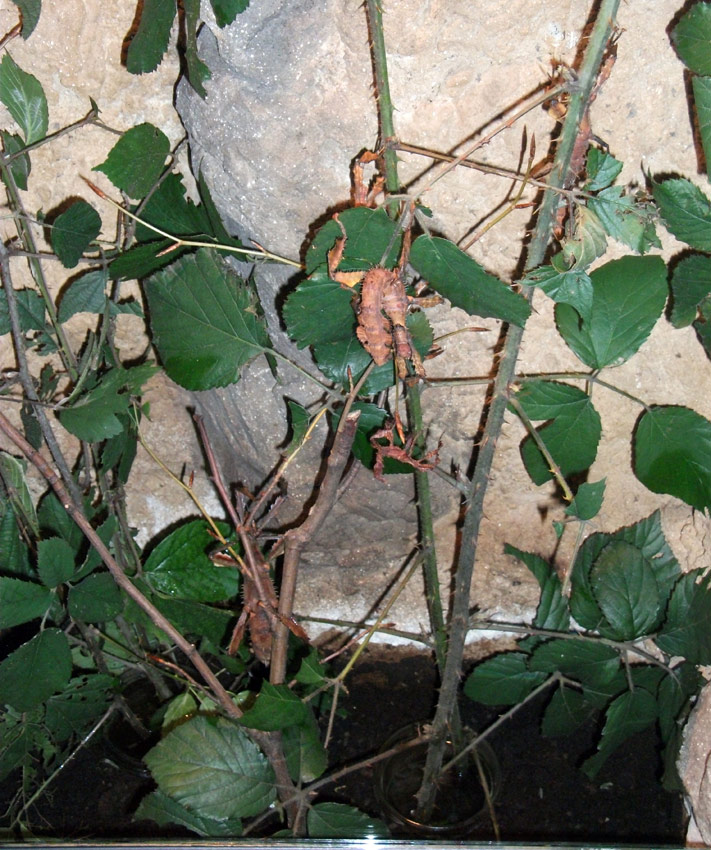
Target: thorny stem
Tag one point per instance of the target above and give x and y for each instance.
(269, 743)
(579, 100)
(414, 405)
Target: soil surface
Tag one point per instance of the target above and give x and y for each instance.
(543, 794)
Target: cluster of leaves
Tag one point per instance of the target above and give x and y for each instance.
(626, 587)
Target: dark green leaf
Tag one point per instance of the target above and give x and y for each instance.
(227, 10)
(320, 310)
(592, 663)
(552, 612)
(686, 211)
(55, 561)
(55, 521)
(702, 326)
(464, 283)
(94, 415)
(311, 671)
(276, 707)
(588, 500)
(692, 38)
(119, 452)
(690, 285)
(337, 820)
(105, 532)
(503, 680)
(96, 599)
(180, 567)
(305, 755)
(588, 242)
(30, 11)
(206, 322)
(140, 261)
(15, 559)
(675, 695)
(24, 98)
(602, 169)
(150, 40)
(22, 601)
(571, 286)
(567, 710)
(12, 472)
(164, 810)
(136, 161)
(85, 294)
(211, 766)
(571, 435)
(628, 297)
(672, 454)
(73, 231)
(687, 627)
(631, 712)
(625, 588)
(194, 618)
(20, 166)
(627, 218)
(30, 307)
(170, 209)
(370, 234)
(299, 421)
(702, 101)
(79, 705)
(197, 70)
(35, 671)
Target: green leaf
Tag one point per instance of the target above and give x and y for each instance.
(672, 454)
(687, 627)
(55, 521)
(572, 434)
(691, 38)
(588, 500)
(588, 242)
(464, 283)
(30, 307)
(24, 98)
(337, 820)
(320, 310)
(197, 70)
(701, 87)
(96, 599)
(674, 697)
(206, 322)
(55, 561)
(119, 452)
(227, 10)
(563, 286)
(702, 326)
(30, 11)
(14, 549)
(276, 707)
(136, 161)
(194, 618)
(567, 710)
(213, 767)
(305, 755)
(686, 211)
(602, 169)
(73, 231)
(690, 285)
(179, 566)
(12, 472)
(35, 671)
(142, 260)
(628, 297)
(299, 421)
(22, 601)
(150, 40)
(552, 612)
(628, 714)
(625, 588)
(370, 233)
(627, 218)
(594, 664)
(503, 680)
(311, 671)
(79, 705)
(164, 810)
(85, 294)
(20, 166)
(95, 414)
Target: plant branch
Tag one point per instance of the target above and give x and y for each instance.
(447, 702)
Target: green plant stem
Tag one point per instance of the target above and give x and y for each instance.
(447, 701)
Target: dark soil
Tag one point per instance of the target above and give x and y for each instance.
(543, 796)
